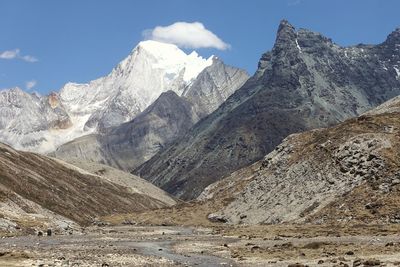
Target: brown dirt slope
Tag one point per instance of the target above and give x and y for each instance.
(64, 190)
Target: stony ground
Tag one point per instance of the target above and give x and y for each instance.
(281, 245)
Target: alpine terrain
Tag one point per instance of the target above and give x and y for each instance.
(346, 173)
(130, 144)
(41, 124)
(37, 192)
(306, 81)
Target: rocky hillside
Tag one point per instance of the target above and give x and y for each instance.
(349, 172)
(306, 81)
(35, 189)
(130, 144)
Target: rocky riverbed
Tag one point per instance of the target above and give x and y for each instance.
(129, 245)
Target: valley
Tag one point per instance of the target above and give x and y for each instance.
(174, 159)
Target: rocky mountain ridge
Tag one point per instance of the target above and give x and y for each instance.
(306, 81)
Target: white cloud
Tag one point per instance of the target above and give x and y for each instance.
(10, 54)
(30, 84)
(187, 35)
(16, 54)
(29, 58)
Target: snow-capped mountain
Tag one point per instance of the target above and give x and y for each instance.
(41, 124)
(30, 121)
(151, 68)
(130, 144)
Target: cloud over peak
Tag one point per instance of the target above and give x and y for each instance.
(16, 54)
(186, 35)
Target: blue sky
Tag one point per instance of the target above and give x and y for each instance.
(80, 40)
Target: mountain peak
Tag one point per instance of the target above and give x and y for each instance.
(286, 33)
(154, 46)
(12, 89)
(394, 37)
(284, 23)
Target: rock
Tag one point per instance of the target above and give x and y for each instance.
(216, 218)
(128, 222)
(357, 262)
(297, 265)
(349, 253)
(372, 262)
(40, 233)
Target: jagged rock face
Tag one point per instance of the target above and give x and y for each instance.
(213, 86)
(317, 176)
(23, 115)
(132, 143)
(170, 116)
(305, 82)
(36, 189)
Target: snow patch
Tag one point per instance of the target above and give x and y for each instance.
(298, 46)
(397, 72)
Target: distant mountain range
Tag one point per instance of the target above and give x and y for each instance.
(130, 144)
(41, 124)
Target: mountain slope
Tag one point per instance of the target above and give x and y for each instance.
(213, 86)
(349, 172)
(31, 183)
(305, 82)
(80, 109)
(130, 144)
(23, 117)
(151, 68)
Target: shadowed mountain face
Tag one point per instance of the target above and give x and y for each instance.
(305, 82)
(130, 144)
